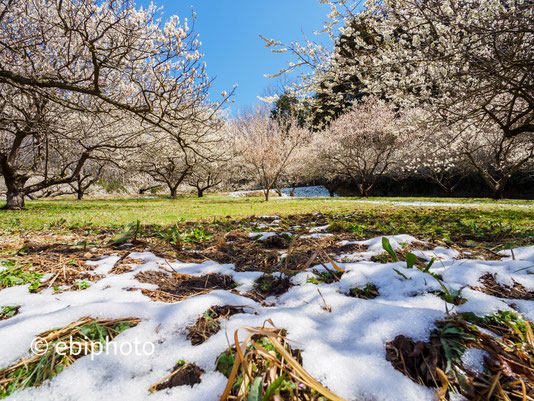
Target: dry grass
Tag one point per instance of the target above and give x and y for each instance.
(82, 337)
(264, 366)
(508, 368)
(209, 323)
(493, 288)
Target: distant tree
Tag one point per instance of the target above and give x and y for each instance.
(360, 145)
(434, 153)
(207, 175)
(497, 157)
(165, 163)
(266, 146)
(90, 174)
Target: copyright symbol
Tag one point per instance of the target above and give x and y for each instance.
(39, 346)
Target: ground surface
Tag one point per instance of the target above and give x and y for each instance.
(317, 268)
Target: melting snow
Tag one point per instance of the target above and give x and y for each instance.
(344, 349)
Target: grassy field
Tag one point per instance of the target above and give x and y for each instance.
(116, 212)
(492, 224)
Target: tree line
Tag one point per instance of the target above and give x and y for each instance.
(103, 91)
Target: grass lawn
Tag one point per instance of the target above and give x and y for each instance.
(499, 225)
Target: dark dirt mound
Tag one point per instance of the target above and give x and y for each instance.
(244, 252)
(183, 375)
(417, 360)
(176, 287)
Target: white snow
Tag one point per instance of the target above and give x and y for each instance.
(473, 359)
(374, 246)
(317, 235)
(439, 253)
(319, 229)
(322, 192)
(446, 204)
(344, 349)
(523, 253)
(261, 236)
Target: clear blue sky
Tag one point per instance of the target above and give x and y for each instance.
(230, 29)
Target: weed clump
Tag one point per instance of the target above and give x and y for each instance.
(493, 288)
(265, 367)
(7, 312)
(177, 287)
(270, 285)
(209, 323)
(63, 347)
(506, 339)
(369, 291)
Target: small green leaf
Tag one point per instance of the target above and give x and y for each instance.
(410, 260)
(273, 388)
(429, 265)
(387, 247)
(400, 274)
(256, 390)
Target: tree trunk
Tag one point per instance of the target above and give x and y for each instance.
(267, 195)
(173, 192)
(498, 192)
(364, 189)
(15, 200)
(292, 192)
(332, 188)
(200, 193)
(79, 194)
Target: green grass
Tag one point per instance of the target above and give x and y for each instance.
(488, 225)
(466, 201)
(114, 213)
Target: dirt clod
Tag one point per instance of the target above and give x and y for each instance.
(183, 375)
(177, 287)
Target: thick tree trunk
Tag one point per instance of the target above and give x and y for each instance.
(15, 190)
(200, 193)
(498, 193)
(267, 195)
(332, 188)
(79, 195)
(15, 200)
(173, 193)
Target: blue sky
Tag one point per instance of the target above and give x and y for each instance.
(229, 31)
